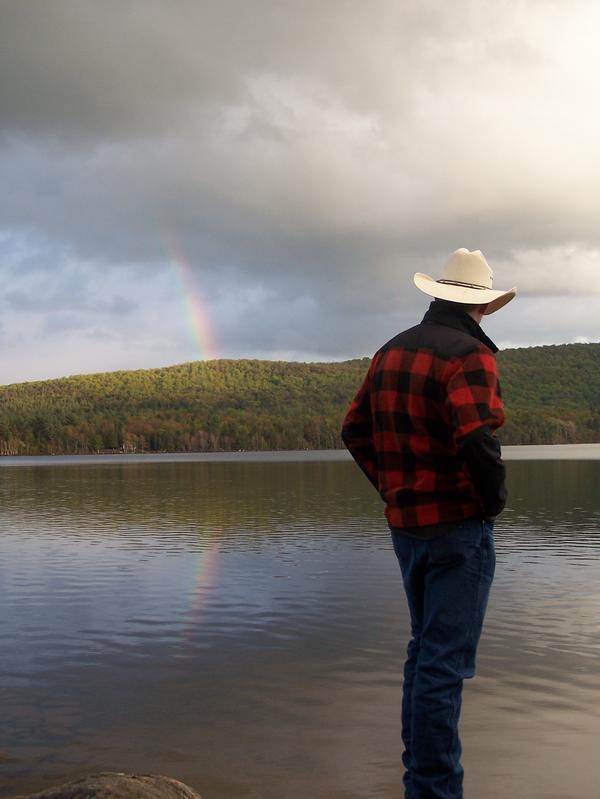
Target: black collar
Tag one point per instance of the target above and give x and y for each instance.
(450, 315)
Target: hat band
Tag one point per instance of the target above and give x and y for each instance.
(465, 285)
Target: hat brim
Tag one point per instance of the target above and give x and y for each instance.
(447, 291)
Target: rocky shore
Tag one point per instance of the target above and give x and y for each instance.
(115, 785)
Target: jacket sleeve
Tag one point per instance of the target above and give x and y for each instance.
(357, 431)
(474, 404)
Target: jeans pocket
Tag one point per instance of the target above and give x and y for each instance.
(470, 531)
(457, 546)
(402, 544)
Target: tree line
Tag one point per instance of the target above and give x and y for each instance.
(552, 395)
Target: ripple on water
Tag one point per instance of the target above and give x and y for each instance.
(252, 615)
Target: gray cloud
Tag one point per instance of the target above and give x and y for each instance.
(61, 323)
(304, 158)
(67, 299)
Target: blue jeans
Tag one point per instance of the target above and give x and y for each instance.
(447, 582)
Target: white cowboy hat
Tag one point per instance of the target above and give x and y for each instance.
(467, 278)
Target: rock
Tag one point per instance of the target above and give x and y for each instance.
(113, 785)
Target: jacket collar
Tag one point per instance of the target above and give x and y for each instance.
(450, 315)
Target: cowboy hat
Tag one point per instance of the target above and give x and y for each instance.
(467, 278)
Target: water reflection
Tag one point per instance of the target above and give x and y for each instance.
(242, 626)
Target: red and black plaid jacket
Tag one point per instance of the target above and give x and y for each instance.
(421, 426)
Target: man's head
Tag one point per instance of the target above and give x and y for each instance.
(476, 312)
(466, 281)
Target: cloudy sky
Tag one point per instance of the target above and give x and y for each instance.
(188, 179)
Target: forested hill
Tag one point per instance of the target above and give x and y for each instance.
(552, 395)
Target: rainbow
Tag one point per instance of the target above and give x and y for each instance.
(204, 578)
(200, 325)
(198, 317)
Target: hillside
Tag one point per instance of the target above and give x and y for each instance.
(552, 395)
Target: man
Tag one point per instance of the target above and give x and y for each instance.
(422, 429)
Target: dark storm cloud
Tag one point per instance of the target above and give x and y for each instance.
(304, 158)
(75, 69)
(78, 68)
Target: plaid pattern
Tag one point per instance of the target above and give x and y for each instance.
(425, 392)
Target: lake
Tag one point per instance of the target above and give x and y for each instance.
(239, 623)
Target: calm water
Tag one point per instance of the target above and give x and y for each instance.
(241, 626)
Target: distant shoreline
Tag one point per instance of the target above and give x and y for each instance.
(528, 452)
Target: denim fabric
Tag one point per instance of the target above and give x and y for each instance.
(447, 582)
